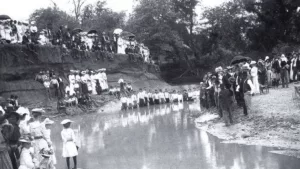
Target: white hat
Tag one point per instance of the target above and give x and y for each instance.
(22, 110)
(48, 121)
(253, 62)
(32, 22)
(66, 121)
(267, 57)
(24, 140)
(38, 110)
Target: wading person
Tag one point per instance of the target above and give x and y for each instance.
(141, 98)
(69, 147)
(156, 97)
(151, 98)
(162, 98)
(167, 96)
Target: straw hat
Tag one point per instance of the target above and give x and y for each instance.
(38, 110)
(66, 121)
(48, 121)
(253, 62)
(24, 140)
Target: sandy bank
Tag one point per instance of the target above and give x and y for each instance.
(273, 122)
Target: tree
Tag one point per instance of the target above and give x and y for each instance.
(101, 18)
(78, 5)
(54, 17)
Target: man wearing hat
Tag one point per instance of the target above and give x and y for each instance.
(247, 89)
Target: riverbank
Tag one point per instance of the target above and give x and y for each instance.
(274, 121)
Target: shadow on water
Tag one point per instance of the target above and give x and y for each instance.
(160, 137)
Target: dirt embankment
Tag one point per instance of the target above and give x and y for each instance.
(274, 122)
(20, 64)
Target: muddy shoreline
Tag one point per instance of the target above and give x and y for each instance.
(273, 122)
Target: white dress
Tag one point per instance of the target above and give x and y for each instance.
(37, 131)
(47, 134)
(69, 146)
(26, 161)
(254, 78)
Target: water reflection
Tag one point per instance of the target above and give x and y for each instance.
(161, 137)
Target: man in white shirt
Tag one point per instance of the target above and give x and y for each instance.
(161, 95)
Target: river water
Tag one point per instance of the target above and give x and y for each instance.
(160, 137)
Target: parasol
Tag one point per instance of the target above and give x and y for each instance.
(4, 17)
(92, 32)
(239, 59)
(76, 30)
(118, 31)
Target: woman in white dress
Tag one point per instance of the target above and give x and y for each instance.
(48, 123)
(37, 132)
(254, 77)
(26, 159)
(69, 146)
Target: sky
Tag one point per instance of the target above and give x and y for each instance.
(21, 9)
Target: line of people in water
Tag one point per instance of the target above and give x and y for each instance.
(144, 97)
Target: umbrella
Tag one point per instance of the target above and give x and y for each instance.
(4, 17)
(238, 59)
(76, 30)
(92, 31)
(118, 31)
(127, 35)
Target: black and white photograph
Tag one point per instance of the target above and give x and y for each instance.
(149, 84)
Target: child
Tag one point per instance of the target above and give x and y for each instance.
(69, 146)
(47, 134)
(27, 160)
(47, 162)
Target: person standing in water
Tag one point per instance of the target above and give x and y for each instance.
(69, 147)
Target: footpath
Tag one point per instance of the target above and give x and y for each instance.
(274, 121)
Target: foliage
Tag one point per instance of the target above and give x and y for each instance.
(52, 18)
(101, 18)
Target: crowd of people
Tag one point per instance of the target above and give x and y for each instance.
(131, 99)
(245, 79)
(77, 90)
(25, 138)
(16, 32)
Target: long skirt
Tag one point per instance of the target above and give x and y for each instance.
(5, 162)
(151, 101)
(38, 145)
(255, 84)
(156, 101)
